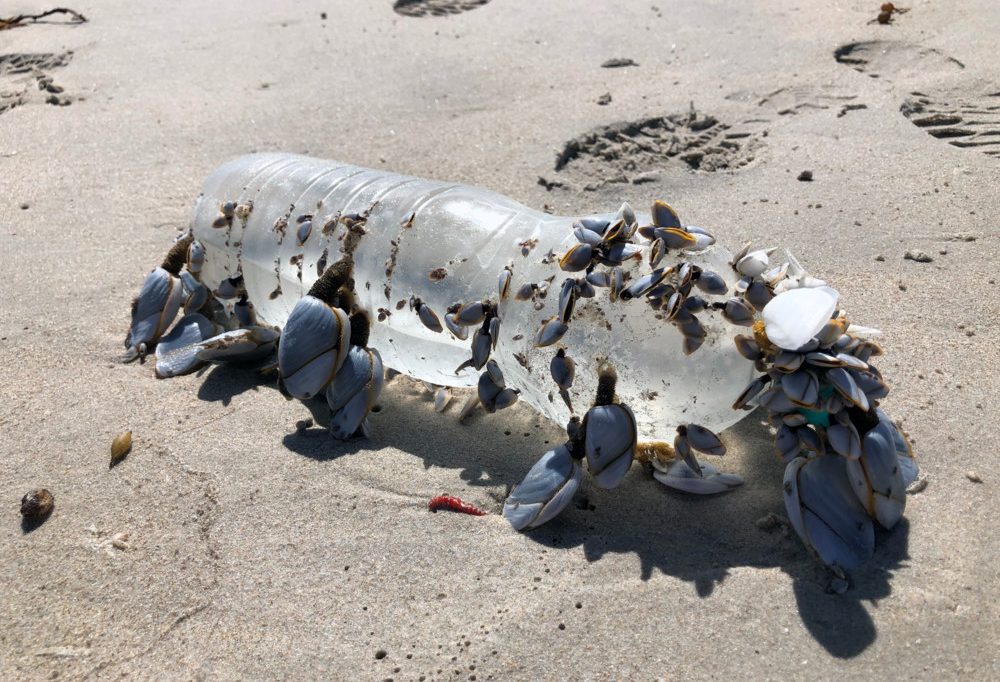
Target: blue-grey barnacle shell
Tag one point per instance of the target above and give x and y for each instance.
(825, 512)
(429, 318)
(155, 308)
(177, 352)
(470, 314)
(844, 439)
(195, 293)
(703, 440)
(711, 283)
(664, 215)
(353, 392)
(801, 387)
(313, 346)
(545, 491)
(609, 442)
(876, 476)
(577, 258)
(845, 385)
(551, 331)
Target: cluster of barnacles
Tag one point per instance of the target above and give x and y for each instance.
(846, 463)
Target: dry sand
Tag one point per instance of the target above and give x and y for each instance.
(257, 551)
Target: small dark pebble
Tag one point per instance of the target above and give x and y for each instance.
(604, 99)
(25, 206)
(805, 176)
(618, 62)
(322, 15)
(562, 626)
(53, 88)
(645, 177)
(880, 259)
(380, 654)
(917, 256)
(52, 99)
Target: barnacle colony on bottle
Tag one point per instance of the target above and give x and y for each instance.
(625, 327)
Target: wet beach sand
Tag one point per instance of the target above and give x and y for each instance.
(257, 549)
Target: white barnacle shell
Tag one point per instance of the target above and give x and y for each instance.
(545, 491)
(609, 442)
(708, 481)
(754, 263)
(239, 345)
(442, 396)
(795, 276)
(313, 346)
(703, 238)
(793, 318)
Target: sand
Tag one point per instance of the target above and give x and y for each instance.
(258, 551)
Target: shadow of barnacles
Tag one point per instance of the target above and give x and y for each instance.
(693, 538)
(224, 382)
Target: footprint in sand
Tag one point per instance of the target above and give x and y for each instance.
(970, 122)
(799, 99)
(964, 120)
(634, 151)
(881, 58)
(17, 71)
(435, 8)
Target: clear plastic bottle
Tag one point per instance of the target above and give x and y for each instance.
(448, 243)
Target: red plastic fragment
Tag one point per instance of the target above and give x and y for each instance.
(454, 504)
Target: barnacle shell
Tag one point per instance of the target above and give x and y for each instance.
(609, 442)
(708, 482)
(155, 308)
(313, 346)
(794, 317)
(825, 512)
(545, 491)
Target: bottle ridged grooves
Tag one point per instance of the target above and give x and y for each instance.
(413, 228)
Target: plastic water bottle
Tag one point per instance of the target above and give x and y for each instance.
(444, 244)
